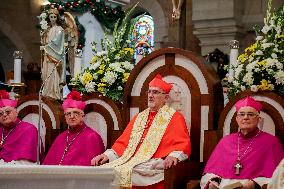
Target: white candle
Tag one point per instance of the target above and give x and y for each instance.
(17, 70)
(77, 62)
(77, 65)
(234, 53)
(17, 66)
(233, 60)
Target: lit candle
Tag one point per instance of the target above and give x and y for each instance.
(77, 62)
(17, 66)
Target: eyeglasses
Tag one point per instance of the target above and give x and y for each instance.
(76, 114)
(248, 114)
(5, 112)
(154, 92)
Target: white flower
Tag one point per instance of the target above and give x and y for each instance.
(43, 24)
(117, 57)
(101, 53)
(90, 87)
(116, 67)
(251, 66)
(236, 83)
(243, 88)
(258, 38)
(94, 66)
(128, 41)
(258, 52)
(279, 76)
(95, 76)
(257, 70)
(43, 15)
(254, 88)
(230, 79)
(127, 65)
(119, 88)
(238, 70)
(266, 45)
(110, 77)
(274, 56)
(248, 78)
(266, 29)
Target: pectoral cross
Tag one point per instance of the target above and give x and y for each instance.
(1, 144)
(238, 166)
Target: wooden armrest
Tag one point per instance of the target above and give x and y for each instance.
(193, 184)
(264, 186)
(178, 176)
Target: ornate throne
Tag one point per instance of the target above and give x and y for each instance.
(199, 95)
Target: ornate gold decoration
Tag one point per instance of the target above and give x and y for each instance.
(123, 166)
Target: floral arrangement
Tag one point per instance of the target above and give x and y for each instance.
(109, 69)
(43, 24)
(260, 66)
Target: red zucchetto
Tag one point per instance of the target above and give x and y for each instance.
(5, 100)
(160, 83)
(248, 101)
(74, 100)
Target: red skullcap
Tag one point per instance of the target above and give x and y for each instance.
(73, 100)
(5, 100)
(248, 101)
(159, 82)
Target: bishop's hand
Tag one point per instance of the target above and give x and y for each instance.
(99, 160)
(170, 161)
(248, 185)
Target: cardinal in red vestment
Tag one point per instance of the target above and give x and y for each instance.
(154, 140)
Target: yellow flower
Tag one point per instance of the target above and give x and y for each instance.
(102, 67)
(242, 58)
(94, 59)
(125, 77)
(100, 72)
(262, 64)
(250, 48)
(265, 85)
(101, 85)
(130, 50)
(251, 55)
(86, 78)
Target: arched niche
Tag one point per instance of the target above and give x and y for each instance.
(200, 88)
(272, 112)
(52, 116)
(103, 115)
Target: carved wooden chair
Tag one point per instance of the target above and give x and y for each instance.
(199, 98)
(52, 116)
(273, 114)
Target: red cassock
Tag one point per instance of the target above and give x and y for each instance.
(176, 138)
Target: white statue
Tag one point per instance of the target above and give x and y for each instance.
(55, 45)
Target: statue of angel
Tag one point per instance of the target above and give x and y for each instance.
(60, 38)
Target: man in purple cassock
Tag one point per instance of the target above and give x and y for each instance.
(79, 143)
(247, 157)
(18, 138)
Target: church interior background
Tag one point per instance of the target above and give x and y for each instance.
(178, 32)
(203, 26)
